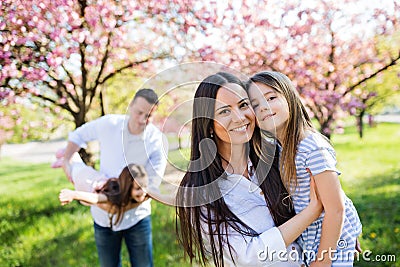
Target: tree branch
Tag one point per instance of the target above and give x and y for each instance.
(103, 63)
(69, 75)
(392, 63)
(131, 64)
(61, 84)
(63, 106)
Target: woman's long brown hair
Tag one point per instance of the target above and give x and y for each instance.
(118, 190)
(214, 217)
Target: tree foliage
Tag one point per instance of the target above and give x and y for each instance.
(64, 52)
(328, 48)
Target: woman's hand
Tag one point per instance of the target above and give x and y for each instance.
(315, 203)
(66, 196)
(293, 228)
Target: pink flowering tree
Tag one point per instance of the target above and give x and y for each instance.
(7, 124)
(63, 52)
(328, 48)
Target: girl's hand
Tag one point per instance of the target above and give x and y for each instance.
(358, 246)
(315, 202)
(66, 196)
(98, 185)
(319, 264)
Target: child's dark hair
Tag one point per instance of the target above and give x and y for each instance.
(118, 190)
(112, 190)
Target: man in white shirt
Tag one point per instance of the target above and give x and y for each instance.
(124, 139)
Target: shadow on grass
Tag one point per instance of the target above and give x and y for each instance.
(18, 215)
(60, 251)
(65, 250)
(376, 199)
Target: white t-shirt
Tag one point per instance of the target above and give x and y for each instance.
(117, 149)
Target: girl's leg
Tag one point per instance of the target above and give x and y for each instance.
(84, 178)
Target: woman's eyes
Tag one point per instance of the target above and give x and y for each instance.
(244, 105)
(224, 111)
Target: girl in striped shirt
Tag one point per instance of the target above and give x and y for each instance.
(332, 239)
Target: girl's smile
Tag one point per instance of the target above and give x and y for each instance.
(270, 107)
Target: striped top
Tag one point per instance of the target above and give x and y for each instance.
(315, 153)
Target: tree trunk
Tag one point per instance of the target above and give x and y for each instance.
(179, 142)
(101, 96)
(87, 157)
(360, 124)
(85, 154)
(326, 130)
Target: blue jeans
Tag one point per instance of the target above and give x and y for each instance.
(138, 240)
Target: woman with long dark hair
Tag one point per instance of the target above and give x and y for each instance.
(232, 208)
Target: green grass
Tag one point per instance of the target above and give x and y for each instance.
(179, 158)
(371, 178)
(36, 231)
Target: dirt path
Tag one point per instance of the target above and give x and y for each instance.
(43, 152)
(35, 152)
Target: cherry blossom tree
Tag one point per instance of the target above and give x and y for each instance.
(328, 48)
(380, 91)
(60, 53)
(6, 127)
(63, 51)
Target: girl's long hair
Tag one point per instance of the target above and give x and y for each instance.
(296, 126)
(118, 190)
(265, 154)
(205, 211)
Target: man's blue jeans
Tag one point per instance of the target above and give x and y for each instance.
(138, 240)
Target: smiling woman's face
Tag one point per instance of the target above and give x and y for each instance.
(234, 119)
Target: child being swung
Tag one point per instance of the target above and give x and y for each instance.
(116, 195)
(332, 239)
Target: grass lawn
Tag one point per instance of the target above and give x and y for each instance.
(36, 231)
(371, 178)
